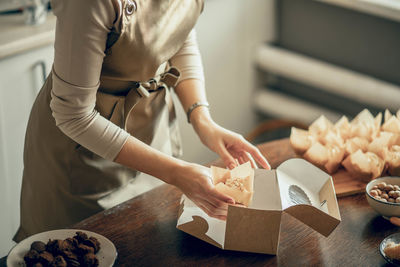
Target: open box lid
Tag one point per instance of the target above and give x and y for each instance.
(307, 193)
(300, 189)
(259, 224)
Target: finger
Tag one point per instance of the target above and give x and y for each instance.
(217, 211)
(255, 152)
(222, 197)
(227, 158)
(217, 204)
(248, 157)
(395, 220)
(207, 210)
(237, 155)
(241, 160)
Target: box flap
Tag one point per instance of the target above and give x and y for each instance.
(262, 217)
(308, 194)
(263, 236)
(314, 218)
(196, 222)
(266, 191)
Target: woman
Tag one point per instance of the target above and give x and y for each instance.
(104, 104)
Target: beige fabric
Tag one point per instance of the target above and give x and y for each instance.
(63, 181)
(78, 64)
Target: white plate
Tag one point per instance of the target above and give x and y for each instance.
(106, 255)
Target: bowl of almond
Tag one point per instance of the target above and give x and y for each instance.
(383, 195)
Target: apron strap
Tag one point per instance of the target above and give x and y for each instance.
(165, 81)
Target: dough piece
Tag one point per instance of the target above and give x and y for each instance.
(236, 183)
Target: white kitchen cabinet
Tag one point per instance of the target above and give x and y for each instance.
(21, 77)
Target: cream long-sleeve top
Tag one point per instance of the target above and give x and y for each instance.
(82, 32)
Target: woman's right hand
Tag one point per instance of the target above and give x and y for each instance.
(196, 183)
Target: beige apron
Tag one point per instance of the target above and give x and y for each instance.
(63, 182)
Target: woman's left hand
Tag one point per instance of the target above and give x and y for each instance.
(230, 146)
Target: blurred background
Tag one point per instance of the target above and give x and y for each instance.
(268, 65)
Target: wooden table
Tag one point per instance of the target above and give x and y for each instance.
(144, 231)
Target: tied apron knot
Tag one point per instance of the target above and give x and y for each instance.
(165, 81)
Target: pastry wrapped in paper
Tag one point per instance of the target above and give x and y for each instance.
(333, 137)
(393, 161)
(336, 155)
(366, 166)
(236, 183)
(317, 154)
(301, 140)
(364, 125)
(382, 143)
(342, 126)
(320, 127)
(326, 157)
(387, 115)
(354, 144)
(392, 125)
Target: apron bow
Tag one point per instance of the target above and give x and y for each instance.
(163, 81)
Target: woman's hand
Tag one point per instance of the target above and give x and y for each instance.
(196, 183)
(192, 179)
(228, 145)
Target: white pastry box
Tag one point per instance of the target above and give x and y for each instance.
(296, 187)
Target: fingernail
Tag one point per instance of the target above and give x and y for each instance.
(232, 166)
(231, 201)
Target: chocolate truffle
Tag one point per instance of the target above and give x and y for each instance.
(83, 249)
(70, 244)
(31, 257)
(73, 263)
(92, 242)
(46, 258)
(80, 236)
(71, 258)
(59, 262)
(55, 246)
(90, 260)
(39, 246)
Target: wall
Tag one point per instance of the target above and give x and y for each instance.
(347, 38)
(228, 32)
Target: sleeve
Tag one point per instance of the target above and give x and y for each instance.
(188, 59)
(81, 34)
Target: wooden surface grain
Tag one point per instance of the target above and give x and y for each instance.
(144, 231)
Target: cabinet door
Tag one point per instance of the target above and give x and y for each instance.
(21, 78)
